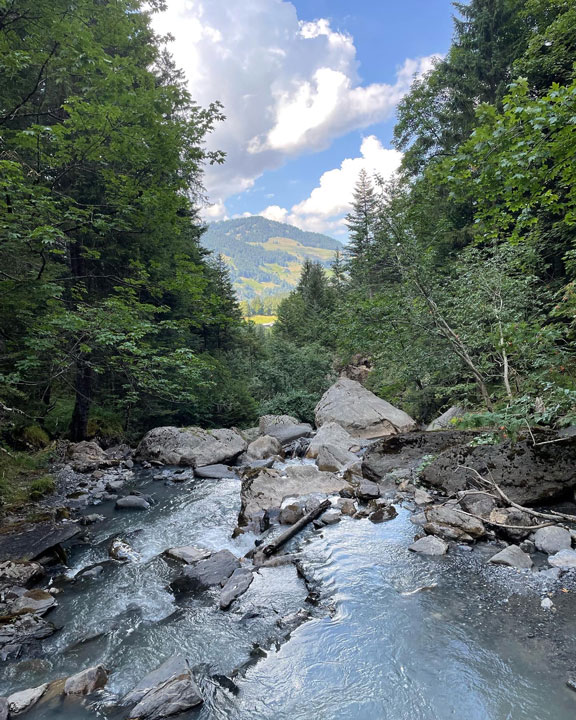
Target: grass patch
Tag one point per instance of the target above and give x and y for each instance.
(23, 478)
(262, 319)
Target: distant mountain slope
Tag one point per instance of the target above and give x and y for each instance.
(265, 257)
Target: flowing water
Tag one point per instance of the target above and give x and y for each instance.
(473, 644)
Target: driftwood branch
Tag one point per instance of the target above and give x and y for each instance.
(507, 527)
(282, 539)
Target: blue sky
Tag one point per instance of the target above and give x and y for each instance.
(309, 88)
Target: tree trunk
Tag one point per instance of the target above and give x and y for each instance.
(83, 388)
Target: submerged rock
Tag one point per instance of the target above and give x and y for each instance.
(166, 691)
(383, 513)
(551, 540)
(512, 556)
(429, 545)
(190, 446)
(87, 681)
(331, 516)
(215, 472)
(236, 585)
(360, 412)
(121, 551)
(132, 502)
(214, 570)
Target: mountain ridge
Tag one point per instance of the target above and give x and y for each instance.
(265, 257)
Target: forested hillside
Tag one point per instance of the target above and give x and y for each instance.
(458, 281)
(265, 257)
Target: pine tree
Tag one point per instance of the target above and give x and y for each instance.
(361, 223)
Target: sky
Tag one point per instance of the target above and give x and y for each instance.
(309, 89)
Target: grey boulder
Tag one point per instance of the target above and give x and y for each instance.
(187, 554)
(132, 502)
(337, 459)
(87, 681)
(264, 447)
(87, 456)
(20, 701)
(453, 524)
(512, 556)
(429, 545)
(166, 691)
(215, 472)
(190, 446)
(214, 570)
(331, 433)
(360, 412)
(286, 434)
(37, 602)
(552, 540)
(268, 422)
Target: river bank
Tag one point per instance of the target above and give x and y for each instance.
(383, 622)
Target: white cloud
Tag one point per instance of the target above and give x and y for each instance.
(287, 87)
(324, 209)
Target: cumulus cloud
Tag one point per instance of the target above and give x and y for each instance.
(288, 87)
(326, 206)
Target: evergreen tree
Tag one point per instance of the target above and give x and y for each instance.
(361, 222)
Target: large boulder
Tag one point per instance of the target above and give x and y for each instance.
(407, 450)
(265, 488)
(527, 473)
(87, 456)
(20, 701)
(445, 420)
(269, 422)
(190, 446)
(331, 434)
(264, 447)
(166, 691)
(360, 412)
(552, 540)
(19, 573)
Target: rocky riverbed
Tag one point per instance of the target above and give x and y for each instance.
(164, 591)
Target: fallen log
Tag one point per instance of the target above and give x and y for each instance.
(282, 539)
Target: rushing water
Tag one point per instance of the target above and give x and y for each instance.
(475, 644)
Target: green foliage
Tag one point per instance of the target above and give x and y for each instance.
(35, 437)
(42, 486)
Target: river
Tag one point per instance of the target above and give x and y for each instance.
(473, 644)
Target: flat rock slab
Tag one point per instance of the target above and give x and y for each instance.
(331, 433)
(288, 433)
(214, 570)
(188, 554)
(132, 502)
(19, 573)
(35, 540)
(564, 559)
(215, 472)
(236, 585)
(267, 488)
(430, 545)
(172, 667)
(25, 699)
(512, 556)
(36, 602)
